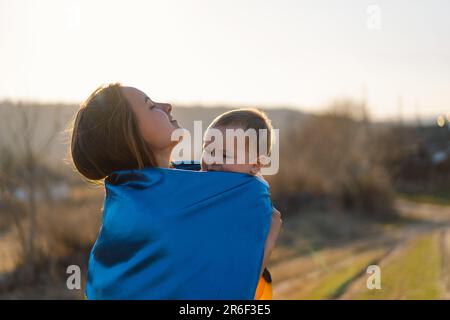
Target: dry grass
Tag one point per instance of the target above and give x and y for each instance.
(66, 232)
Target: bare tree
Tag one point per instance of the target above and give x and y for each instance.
(27, 140)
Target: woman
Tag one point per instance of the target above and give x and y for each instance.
(118, 129)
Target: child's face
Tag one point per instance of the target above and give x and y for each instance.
(251, 166)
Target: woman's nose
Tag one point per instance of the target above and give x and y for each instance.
(167, 107)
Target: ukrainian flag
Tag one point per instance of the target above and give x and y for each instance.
(180, 234)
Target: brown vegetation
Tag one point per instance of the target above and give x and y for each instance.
(338, 162)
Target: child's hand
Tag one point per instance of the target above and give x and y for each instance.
(272, 237)
(276, 212)
(274, 231)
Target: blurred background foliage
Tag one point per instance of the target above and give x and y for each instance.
(352, 192)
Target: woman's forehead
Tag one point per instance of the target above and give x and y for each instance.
(132, 91)
(134, 95)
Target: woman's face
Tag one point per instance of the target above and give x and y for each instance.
(155, 119)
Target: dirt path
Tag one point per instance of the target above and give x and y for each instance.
(298, 274)
(435, 220)
(430, 213)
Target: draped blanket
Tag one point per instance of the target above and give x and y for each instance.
(179, 234)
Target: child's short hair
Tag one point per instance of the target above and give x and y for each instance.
(249, 118)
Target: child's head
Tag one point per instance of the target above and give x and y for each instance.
(255, 157)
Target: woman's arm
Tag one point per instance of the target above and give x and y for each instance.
(272, 236)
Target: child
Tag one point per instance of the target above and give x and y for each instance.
(220, 157)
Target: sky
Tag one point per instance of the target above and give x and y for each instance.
(394, 54)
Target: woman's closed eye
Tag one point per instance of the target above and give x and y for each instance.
(152, 104)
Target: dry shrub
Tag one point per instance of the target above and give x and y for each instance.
(65, 233)
(331, 158)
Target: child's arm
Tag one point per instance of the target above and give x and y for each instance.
(272, 236)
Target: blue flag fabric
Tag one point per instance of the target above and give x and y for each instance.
(179, 234)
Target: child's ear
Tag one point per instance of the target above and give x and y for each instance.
(263, 161)
(256, 167)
